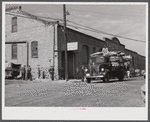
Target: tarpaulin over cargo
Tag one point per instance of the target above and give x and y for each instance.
(112, 53)
(127, 57)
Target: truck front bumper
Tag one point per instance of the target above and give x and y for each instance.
(99, 76)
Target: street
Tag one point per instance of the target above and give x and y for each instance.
(74, 93)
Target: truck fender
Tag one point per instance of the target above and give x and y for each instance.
(107, 72)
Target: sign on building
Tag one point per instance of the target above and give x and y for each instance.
(72, 46)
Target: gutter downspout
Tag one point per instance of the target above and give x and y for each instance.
(27, 53)
(54, 46)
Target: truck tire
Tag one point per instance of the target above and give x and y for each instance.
(106, 79)
(88, 80)
(121, 77)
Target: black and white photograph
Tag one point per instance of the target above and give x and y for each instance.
(75, 61)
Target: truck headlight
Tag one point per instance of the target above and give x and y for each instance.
(102, 69)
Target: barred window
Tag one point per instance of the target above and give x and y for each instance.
(94, 49)
(34, 49)
(14, 51)
(132, 61)
(14, 24)
(100, 50)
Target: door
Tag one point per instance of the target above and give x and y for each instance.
(71, 64)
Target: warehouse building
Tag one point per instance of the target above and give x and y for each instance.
(40, 43)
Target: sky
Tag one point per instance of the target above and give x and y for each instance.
(126, 20)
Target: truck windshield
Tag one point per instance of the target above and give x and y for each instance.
(114, 58)
(100, 59)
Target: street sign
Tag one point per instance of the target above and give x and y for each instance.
(72, 46)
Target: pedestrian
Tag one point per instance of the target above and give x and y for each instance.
(128, 73)
(39, 72)
(85, 70)
(82, 73)
(23, 71)
(51, 70)
(29, 77)
(61, 71)
(77, 72)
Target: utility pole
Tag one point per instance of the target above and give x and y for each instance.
(65, 39)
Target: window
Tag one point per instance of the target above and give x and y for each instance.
(34, 49)
(94, 49)
(100, 50)
(14, 24)
(132, 61)
(14, 51)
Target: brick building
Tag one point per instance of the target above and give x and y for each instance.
(41, 38)
(86, 45)
(46, 45)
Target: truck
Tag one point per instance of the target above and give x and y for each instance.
(106, 66)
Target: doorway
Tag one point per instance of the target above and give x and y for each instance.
(71, 64)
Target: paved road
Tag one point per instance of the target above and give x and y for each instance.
(74, 93)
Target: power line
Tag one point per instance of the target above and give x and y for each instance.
(95, 30)
(88, 28)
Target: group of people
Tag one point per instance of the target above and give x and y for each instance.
(79, 72)
(41, 73)
(26, 73)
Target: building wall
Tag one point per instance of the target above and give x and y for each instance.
(31, 30)
(83, 40)
(95, 45)
(134, 61)
(141, 62)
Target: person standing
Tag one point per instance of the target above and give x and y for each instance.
(29, 77)
(39, 72)
(77, 73)
(82, 73)
(61, 71)
(51, 70)
(23, 71)
(128, 73)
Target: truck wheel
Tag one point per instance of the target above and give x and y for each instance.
(106, 79)
(121, 77)
(88, 80)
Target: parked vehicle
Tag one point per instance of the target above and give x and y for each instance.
(105, 66)
(12, 70)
